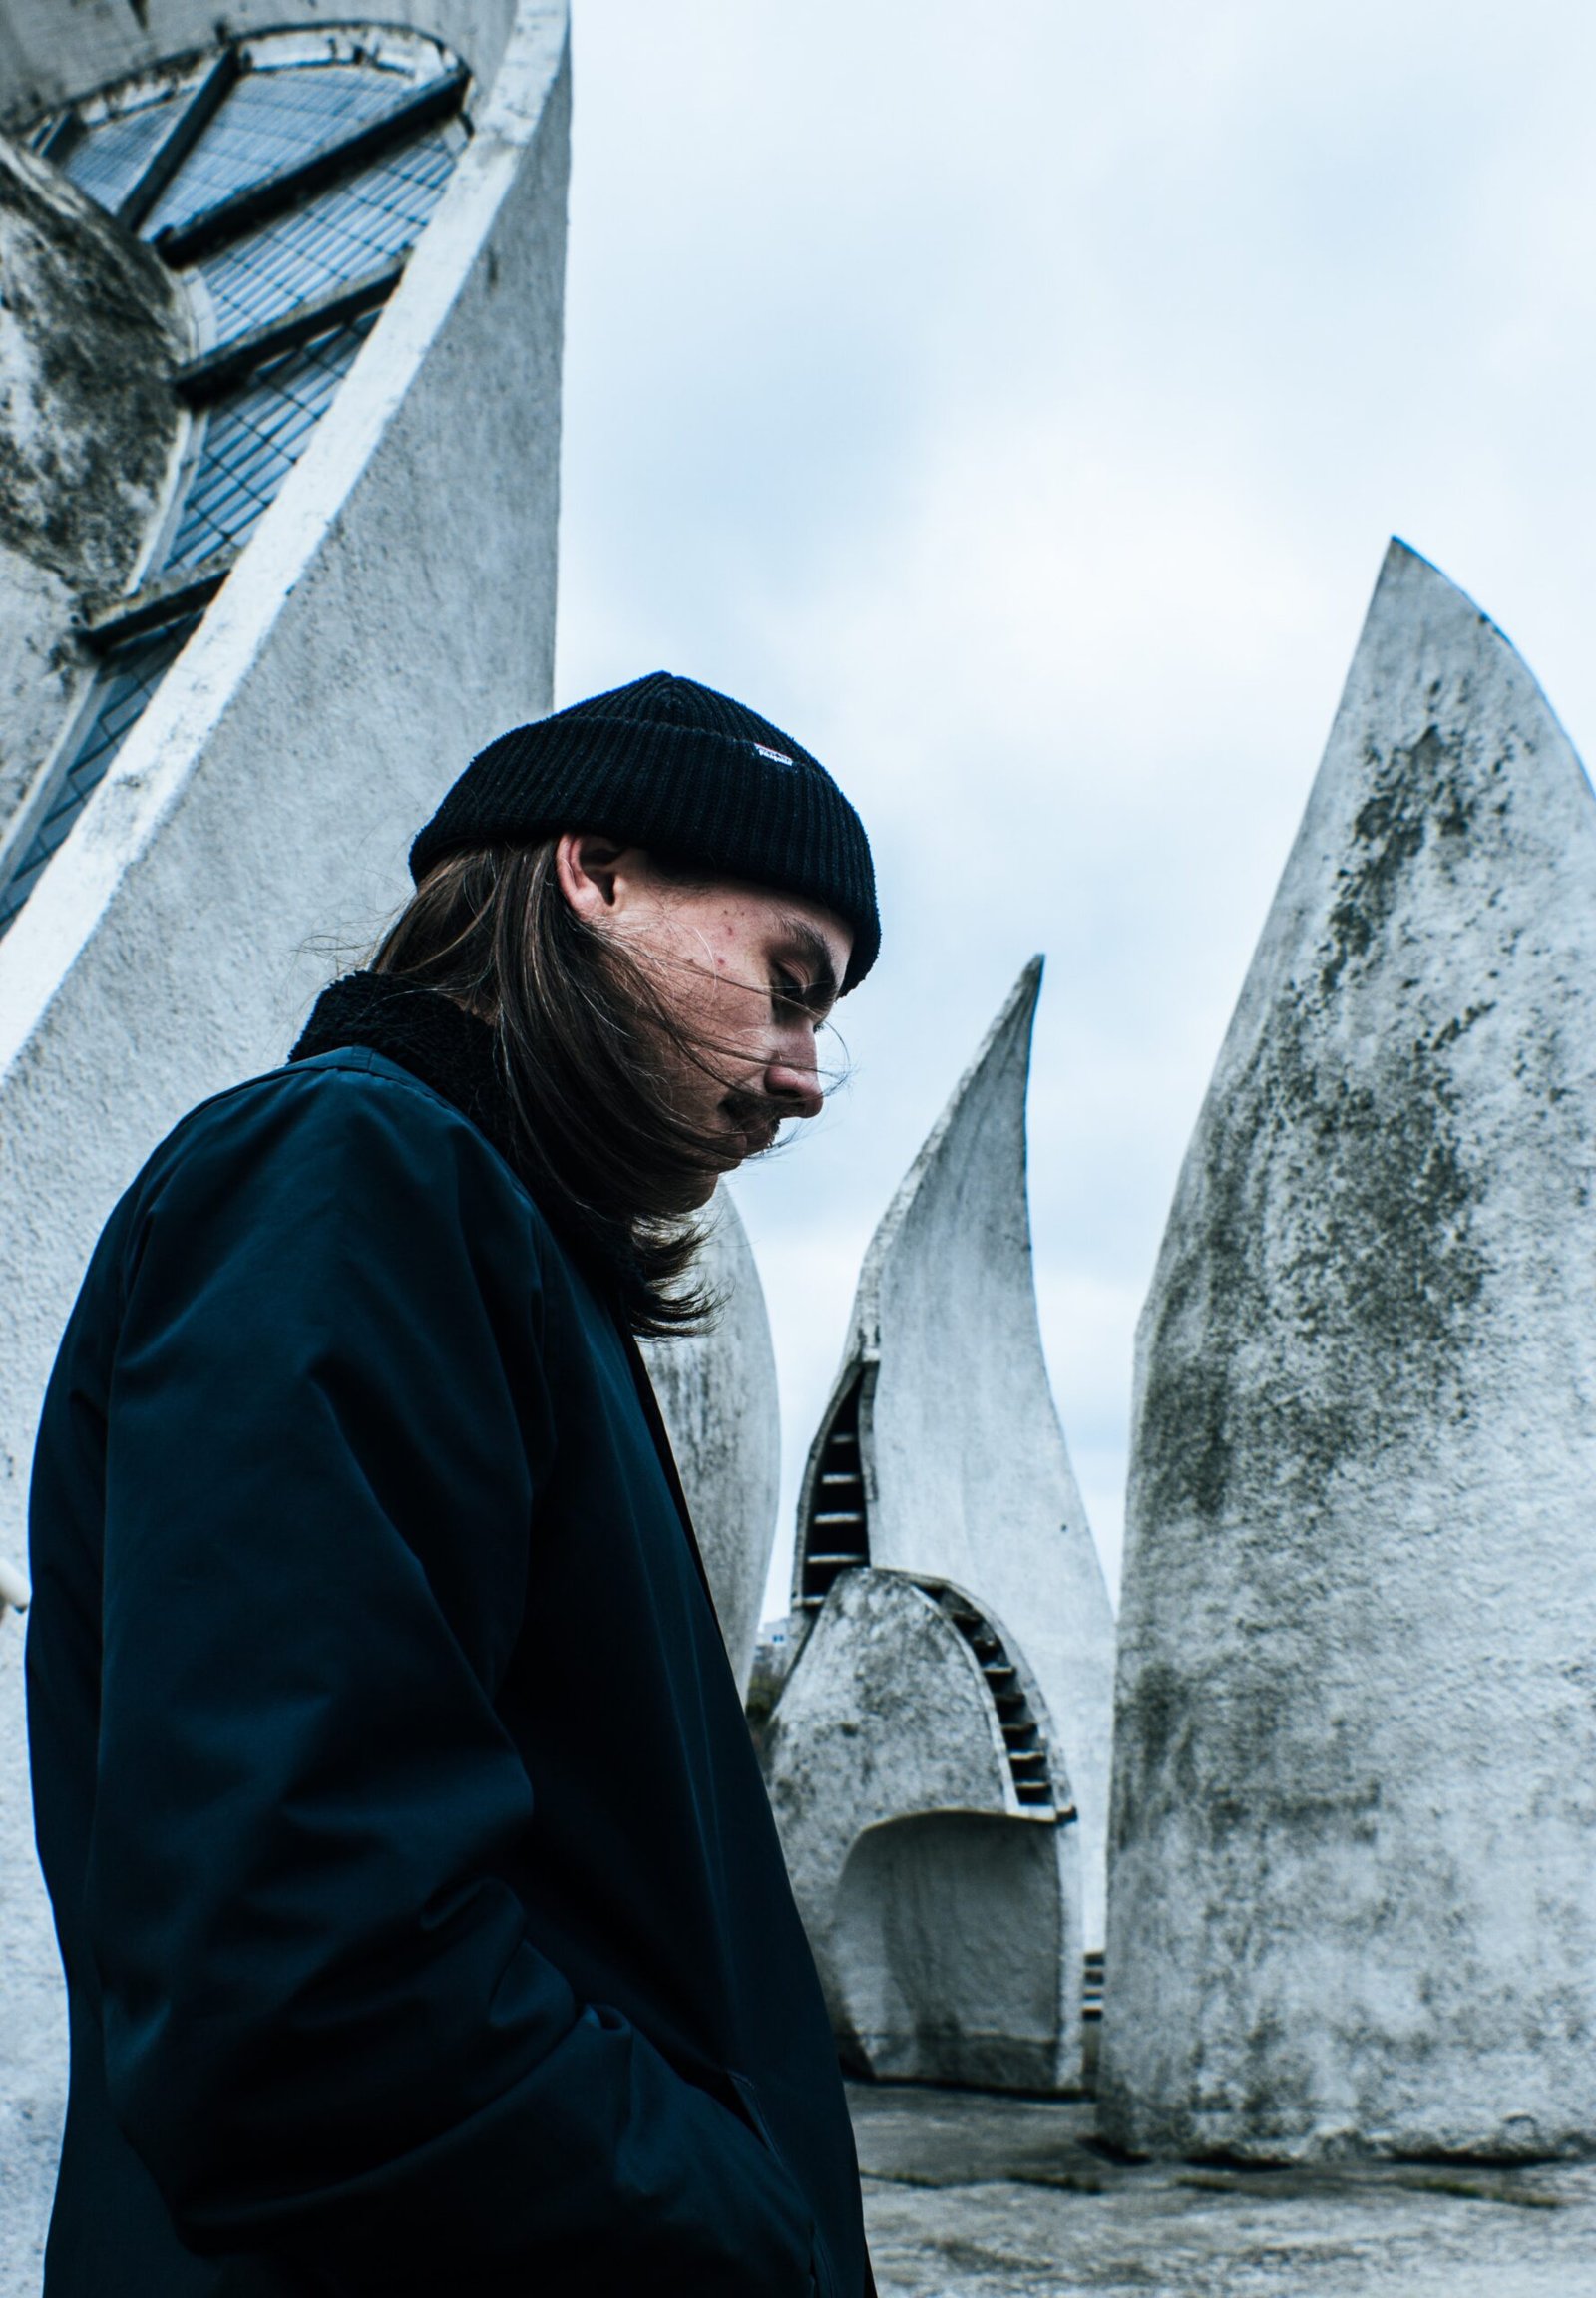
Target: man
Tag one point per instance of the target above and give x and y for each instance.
(425, 1926)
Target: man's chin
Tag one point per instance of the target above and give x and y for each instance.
(736, 1150)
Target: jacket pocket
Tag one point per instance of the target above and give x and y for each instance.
(820, 2266)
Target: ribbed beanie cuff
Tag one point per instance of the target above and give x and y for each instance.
(669, 764)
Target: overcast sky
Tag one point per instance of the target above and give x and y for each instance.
(1015, 404)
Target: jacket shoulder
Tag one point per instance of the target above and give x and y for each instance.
(350, 1129)
(350, 1092)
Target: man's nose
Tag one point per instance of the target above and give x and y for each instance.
(793, 1078)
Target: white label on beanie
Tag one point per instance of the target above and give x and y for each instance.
(780, 756)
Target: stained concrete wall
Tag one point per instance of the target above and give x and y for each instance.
(1352, 1902)
(717, 1392)
(394, 610)
(967, 1474)
(943, 1918)
(92, 326)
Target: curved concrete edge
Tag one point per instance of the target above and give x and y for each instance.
(911, 1855)
(717, 1392)
(394, 610)
(966, 1471)
(1352, 1894)
(50, 56)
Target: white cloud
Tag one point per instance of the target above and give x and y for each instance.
(1016, 404)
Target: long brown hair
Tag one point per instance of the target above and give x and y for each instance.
(591, 1059)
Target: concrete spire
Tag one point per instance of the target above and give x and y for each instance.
(1353, 1886)
(717, 1392)
(938, 1758)
(944, 1395)
(306, 720)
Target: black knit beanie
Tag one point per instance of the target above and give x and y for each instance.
(673, 765)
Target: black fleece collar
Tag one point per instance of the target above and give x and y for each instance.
(431, 1036)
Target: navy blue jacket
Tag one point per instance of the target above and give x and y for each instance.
(423, 1921)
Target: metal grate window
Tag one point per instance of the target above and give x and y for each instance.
(113, 154)
(126, 680)
(253, 439)
(1023, 1744)
(335, 237)
(272, 122)
(836, 1532)
(269, 123)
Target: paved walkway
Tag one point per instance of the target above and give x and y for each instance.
(987, 2197)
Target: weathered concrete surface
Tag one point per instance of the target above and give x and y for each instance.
(717, 1392)
(1354, 1887)
(999, 2198)
(354, 658)
(52, 55)
(944, 1918)
(91, 329)
(967, 1475)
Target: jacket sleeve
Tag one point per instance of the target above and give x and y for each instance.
(327, 2032)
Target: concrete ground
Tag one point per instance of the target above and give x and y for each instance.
(992, 2197)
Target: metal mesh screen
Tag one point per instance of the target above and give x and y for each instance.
(125, 683)
(114, 153)
(353, 228)
(272, 122)
(253, 439)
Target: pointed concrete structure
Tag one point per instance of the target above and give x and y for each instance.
(281, 350)
(717, 1392)
(1354, 1885)
(940, 1451)
(927, 1827)
(937, 1757)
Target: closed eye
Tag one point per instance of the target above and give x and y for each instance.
(805, 979)
(792, 999)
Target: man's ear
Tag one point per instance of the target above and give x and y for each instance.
(590, 869)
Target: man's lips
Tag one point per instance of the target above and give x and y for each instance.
(754, 1130)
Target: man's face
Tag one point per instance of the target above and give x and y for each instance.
(747, 975)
